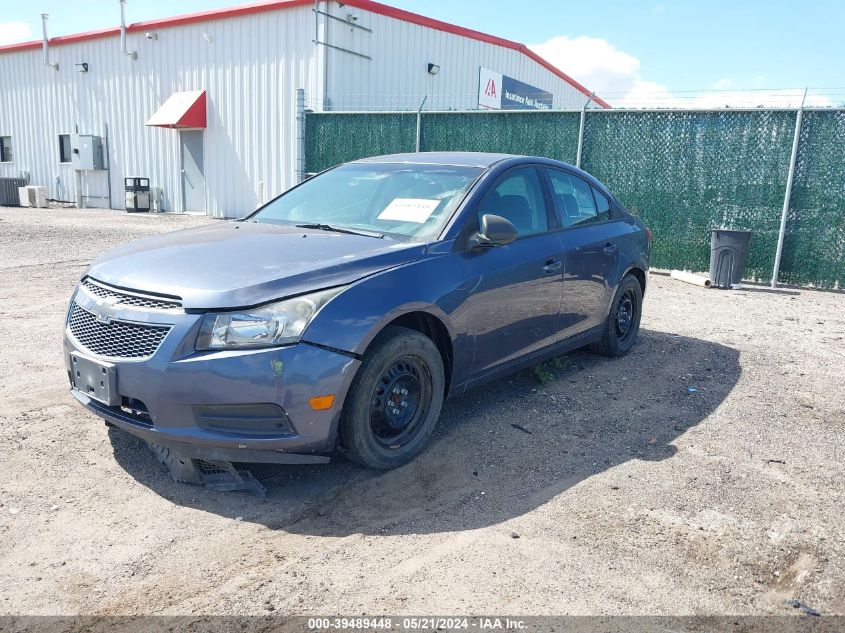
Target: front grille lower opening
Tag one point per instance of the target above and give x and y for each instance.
(136, 410)
(213, 468)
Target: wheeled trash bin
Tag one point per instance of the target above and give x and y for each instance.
(728, 256)
(137, 194)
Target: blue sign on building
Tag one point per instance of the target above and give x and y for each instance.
(500, 92)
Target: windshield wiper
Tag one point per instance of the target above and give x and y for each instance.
(340, 229)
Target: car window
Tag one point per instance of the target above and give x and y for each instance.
(573, 199)
(518, 197)
(602, 204)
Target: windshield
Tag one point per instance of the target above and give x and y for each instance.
(396, 199)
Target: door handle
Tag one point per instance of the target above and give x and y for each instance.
(610, 248)
(187, 179)
(552, 265)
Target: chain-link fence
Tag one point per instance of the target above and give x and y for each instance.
(814, 249)
(684, 172)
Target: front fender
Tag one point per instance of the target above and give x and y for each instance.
(435, 285)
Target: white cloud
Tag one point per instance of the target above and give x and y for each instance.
(615, 76)
(13, 32)
(595, 62)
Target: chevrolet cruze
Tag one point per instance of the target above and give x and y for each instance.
(339, 316)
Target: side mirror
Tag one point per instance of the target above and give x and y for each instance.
(495, 231)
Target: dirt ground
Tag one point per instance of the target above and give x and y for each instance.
(627, 492)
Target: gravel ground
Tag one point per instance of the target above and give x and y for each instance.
(626, 493)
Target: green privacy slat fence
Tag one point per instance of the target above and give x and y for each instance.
(814, 249)
(553, 134)
(683, 172)
(331, 139)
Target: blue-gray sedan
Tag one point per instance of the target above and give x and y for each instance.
(339, 316)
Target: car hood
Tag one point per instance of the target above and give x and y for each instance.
(237, 264)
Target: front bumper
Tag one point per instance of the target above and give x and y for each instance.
(177, 381)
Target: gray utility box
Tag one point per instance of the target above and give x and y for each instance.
(87, 152)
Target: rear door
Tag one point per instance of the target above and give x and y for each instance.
(590, 238)
(515, 290)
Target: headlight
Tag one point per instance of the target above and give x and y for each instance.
(273, 324)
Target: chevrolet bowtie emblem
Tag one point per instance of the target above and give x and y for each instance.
(104, 319)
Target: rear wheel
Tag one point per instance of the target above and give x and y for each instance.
(623, 322)
(394, 401)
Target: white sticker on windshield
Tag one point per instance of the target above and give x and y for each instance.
(409, 210)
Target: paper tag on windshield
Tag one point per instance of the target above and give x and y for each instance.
(409, 210)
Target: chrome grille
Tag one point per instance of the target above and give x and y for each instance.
(116, 339)
(126, 299)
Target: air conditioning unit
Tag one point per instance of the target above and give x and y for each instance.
(9, 195)
(33, 196)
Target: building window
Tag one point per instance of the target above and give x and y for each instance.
(5, 149)
(64, 148)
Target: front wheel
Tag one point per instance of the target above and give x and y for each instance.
(394, 401)
(623, 322)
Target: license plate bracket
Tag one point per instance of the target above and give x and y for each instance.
(95, 379)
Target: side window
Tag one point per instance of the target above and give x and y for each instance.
(64, 148)
(5, 149)
(603, 204)
(518, 197)
(573, 198)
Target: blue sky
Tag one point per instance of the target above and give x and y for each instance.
(617, 47)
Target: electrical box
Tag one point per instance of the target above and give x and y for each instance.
(87, 152)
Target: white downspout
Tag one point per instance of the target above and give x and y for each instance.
(46, 44)
(133, 55)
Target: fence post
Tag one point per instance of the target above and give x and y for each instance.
(581, 130)
(300, 135)
(419, 123)
(786, 198)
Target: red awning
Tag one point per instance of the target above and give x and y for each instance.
(181, 110)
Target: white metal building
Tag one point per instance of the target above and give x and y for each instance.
(205, 105)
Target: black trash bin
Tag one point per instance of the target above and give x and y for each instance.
(728, 256)
(137, 194)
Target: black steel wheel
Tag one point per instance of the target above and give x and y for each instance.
(400, 400)
(623, 321)
(625, 313)
(394, 401)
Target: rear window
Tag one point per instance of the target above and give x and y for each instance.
(602, 205)
(573, 198)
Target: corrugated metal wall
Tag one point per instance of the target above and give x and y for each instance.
(396, 76)
(250, 66)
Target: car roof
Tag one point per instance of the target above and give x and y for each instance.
(457, 159)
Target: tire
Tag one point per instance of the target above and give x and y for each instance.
(394, 401)
(623, 321)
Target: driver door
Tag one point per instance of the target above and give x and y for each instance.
(515, 290)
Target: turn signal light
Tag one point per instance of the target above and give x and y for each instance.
(321, 403)
(648, 234)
